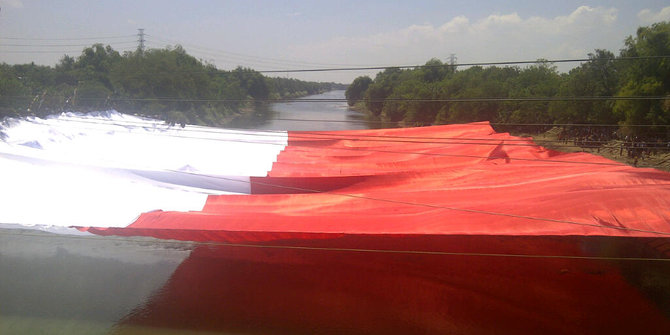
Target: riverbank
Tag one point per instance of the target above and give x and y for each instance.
(613, 149)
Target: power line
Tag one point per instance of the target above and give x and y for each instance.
(418, 204)
(574, 60)
(298, 135)
(435, 206)
(452, 63)
(475, 123)
(331, 249)
(57, 45)
(66, 39)
(368, 138)
(42, 51)
(482, 99)
(491, 123)
(247, 57)
(50, 51)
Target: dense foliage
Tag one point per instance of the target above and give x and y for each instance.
(165, 83)
(355, 91)
(437, 93)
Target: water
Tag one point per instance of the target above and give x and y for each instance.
(308, 115)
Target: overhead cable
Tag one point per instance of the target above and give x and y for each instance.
(435, 206)
(298, 135)
(57, 45)
(246, 57)
(15, 38)
(368, 138)
(280, 100)
(143, 241)
(574, 60)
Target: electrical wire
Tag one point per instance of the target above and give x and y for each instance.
(57, 45)
(66, 39)
(432, 140)
(400, 202)
(375, 138)
(362, 197)
(268, 60)
(475, 124)
(334, 100)
(143, 240)
(574, 60)
(52, 51)
(41, 51)
(491, 123)
(433, 154)
(433, 206)
(247, 57)
(363, 68)
(348, 67)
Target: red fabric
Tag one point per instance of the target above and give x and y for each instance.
(480, 198)
(456, 179)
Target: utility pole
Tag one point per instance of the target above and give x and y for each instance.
(140, 40)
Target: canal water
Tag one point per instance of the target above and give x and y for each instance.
(326, 111)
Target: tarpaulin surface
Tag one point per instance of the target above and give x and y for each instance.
(441, 180)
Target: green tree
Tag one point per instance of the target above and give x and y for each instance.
(381, 88)
(356, 90)
(646, 77)
(599, 77)
(15, 97)
(252, 82)
(540, 80)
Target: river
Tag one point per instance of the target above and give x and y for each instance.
(309, 115)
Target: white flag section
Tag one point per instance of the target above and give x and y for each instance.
(104, 169)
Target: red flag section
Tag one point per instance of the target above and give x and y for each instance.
(445, 229)
(443, 180)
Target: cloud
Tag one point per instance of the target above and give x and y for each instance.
(496, 37)
(11, 3)
(647, 16)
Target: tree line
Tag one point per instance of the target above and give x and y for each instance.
(167, 84)
(439, 93)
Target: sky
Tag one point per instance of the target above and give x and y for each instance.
(287, 35)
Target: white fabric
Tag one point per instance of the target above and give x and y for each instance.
(104, 169)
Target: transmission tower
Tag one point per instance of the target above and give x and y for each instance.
(452, 59)
(140, 40)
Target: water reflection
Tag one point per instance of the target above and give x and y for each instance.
(59, 284)
(64, 285)
(245, 290)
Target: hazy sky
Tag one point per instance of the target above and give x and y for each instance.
(278, 35)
